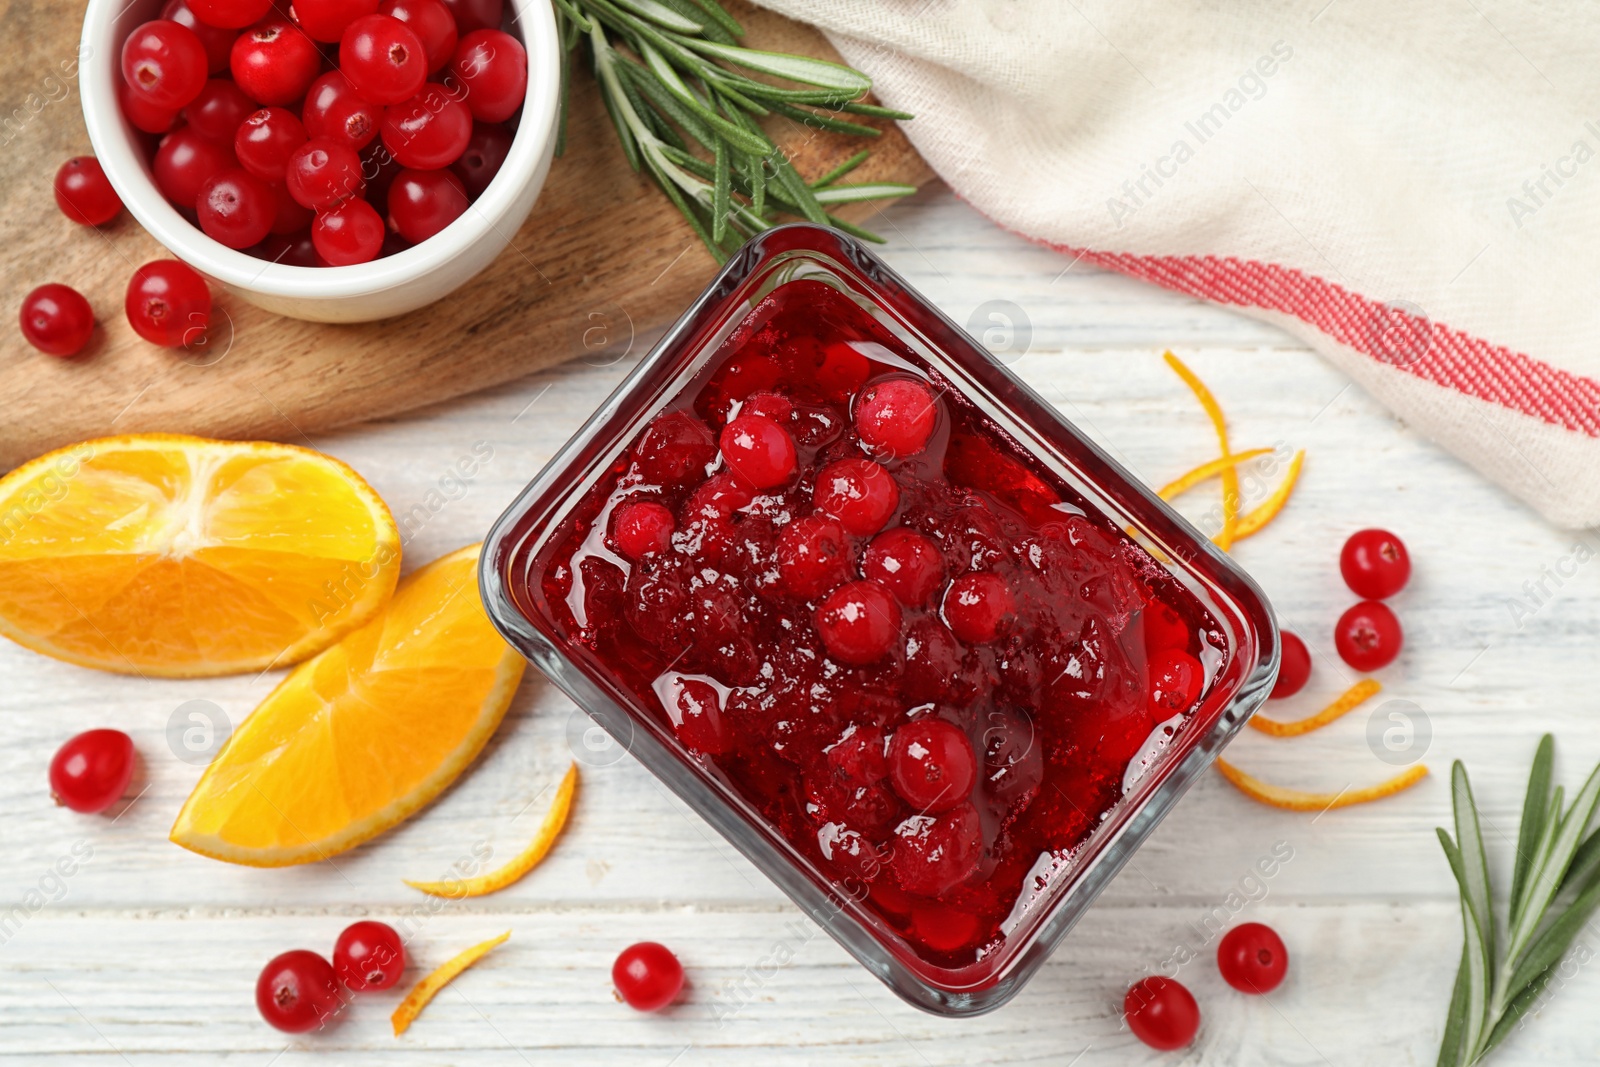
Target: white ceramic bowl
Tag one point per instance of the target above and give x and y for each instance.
(389, 286)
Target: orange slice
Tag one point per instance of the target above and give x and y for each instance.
(365, 734)
(425, 990)
(1295, 800)
(1348, 701)
(525, 861)
(1230, 477)
(182, 557)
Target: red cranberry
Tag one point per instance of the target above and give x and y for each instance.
(774, 406)
(266, 140)
(230, 14)
(1294, 667)
(297, 992)
(720, 495)
(184, 162)
(1161, 1013)
(91, 771)
(143, 115)
(383, 58)
(1252, 958)
(858, 622)
(494, 69)
(932, 765)
(217, 41)
(274, 62)
(1368, 636)
(428, 131)
(1375, 564)
(336, 111)
(322, 172)
(697, 718)
(933, 663)
(933, 853)
(369, 956)
(236, 208)
(84, 193)
(908, 563)
(758, 450)
(57, 320)
(477, 14)
(325, 20)
(676, 448)
(423, 202)
(977, 606)
(486, 151)
(859, 493)
(168, 303)
(843, 370)
(1175, 679)
(1164, 628)
(814, 556)
(895, 418)
(350, 232)
(291, 216)
(642, 527)
(164, 64)
(218, 110)
(647, 975)
(433, 24)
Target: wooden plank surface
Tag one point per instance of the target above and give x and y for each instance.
(603, 255)
(149, 954)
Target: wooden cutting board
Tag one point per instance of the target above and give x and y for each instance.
(602, 257)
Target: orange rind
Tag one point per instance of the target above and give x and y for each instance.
(1230, 477)
(1348, 701)
(1278, 796)
(1210, 469)
(1263, 513)
(425, 990)
(529, 858)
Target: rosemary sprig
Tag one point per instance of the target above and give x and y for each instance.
(1555, 887)
(683, 98)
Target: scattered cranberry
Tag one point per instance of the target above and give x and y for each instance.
(647, 975)
(336, 111)
(168, 303)
(932, 765)
(698, 718)
(164, 64)
(218, 110)
(859, 493)
(977, 606)
(909, 563)
(321, 173)
(642, 527)
(325, 20)
(814, 556)
(675, 448)
(265, 141)
(1252, 958)
(1368, 636)
(217, 40)
(1175, 680)
(428, 131)
(433, 24)
(84, 193)
(184, 162)
(895, 418)
(238, 209)
(230, 14)
(91, 771)
(369, 956)
(758, 450)
(1161, 1013)
(1375, 564)
(297, 992)
(274, 62)
(423, 202)
(57, 320)
(348, 233)
(1294, 667)
(858, 622)
(486, 151)
(143, 115)
(493, 68)
(383, 58)
(477, 14)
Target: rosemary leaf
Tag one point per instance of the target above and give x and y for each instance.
(850, 194)
(822, 120)
(878, 112)
(1450, 1047)
(661, 15)
(802, 69)
(721, 194)
(842, 169)
(565, 7)
(710, 28)
(735, 134)
(1546, 879)
(1585, 862)
(720, 16)
(853, 230)
(1534, 807)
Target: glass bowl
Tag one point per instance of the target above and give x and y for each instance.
(908, 935)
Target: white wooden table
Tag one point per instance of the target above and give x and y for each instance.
(148, 954)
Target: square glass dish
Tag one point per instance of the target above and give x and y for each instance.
(907, 638)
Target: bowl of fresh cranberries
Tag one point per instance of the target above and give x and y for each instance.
(915, 645)
(333, 160)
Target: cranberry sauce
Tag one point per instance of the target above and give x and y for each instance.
(922, 657)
